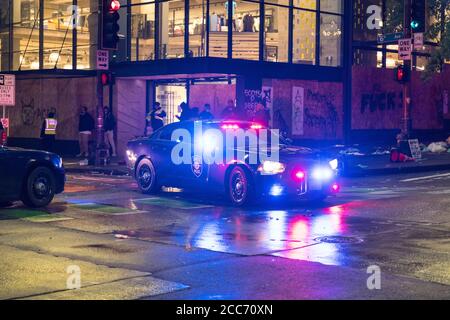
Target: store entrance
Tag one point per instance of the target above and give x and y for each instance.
(196, 92)
(170, 96)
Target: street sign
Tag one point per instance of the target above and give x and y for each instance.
(7, 90)
(389, 38)
(404, 49)
(102, 60)
(418, 41)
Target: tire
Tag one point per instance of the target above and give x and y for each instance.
(239, 187)
(39, 188)
(146, 177)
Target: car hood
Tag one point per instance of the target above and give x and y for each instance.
(29, 152)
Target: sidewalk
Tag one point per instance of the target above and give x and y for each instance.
(380, 164)
(353, 165)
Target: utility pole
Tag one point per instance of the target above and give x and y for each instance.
(407, 34)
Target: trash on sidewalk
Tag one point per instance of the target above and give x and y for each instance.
(84, 162)
(351, 152)
(438, 147)
(381, 151)
(397, 156)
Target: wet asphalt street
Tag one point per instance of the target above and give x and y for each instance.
(125, 245)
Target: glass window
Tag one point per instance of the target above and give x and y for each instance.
(330, 40)
(218, 28)
(306, 4)
(333, 6)
(276, 35)
(366, 57)
(197, 30)
(172, 29)
(87, 24)
(59, 17)
(246, 23)
(143, 32)
(25, 47)
(4, 36)
(304, 37)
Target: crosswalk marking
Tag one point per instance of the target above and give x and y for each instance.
(427, 177)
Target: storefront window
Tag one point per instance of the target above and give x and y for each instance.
(332, 6)
(304, 37)
(24, 51)
(143, 32)
(58, 25)
(172, 29)
(197, 29)
(276, 35)
(306, 4)
(86, 33)
(218, 28)
(330, 40)
(246, 23)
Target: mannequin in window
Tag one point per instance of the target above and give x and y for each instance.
(214, 22)
(249, 22)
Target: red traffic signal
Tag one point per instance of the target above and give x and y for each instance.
(110, 24)
(114, 5)
(401, 74)
(106, 78)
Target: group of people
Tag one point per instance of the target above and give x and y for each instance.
(154, 121)
(155, 118)
(86, 127)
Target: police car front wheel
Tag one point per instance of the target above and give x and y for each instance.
(239, 187)
(146, 176)
(39, 188)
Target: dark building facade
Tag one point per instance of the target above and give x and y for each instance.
(316, 64)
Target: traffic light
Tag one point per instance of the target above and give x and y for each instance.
(418, 16)
(110, 25)
(106, 78)
(401, 74)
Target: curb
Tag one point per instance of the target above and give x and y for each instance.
(399, 170)
(106, 171)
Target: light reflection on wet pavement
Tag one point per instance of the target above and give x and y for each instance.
(292, 230)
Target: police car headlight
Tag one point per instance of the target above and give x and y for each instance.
(132, 157)
(334, 164)
(271, 168)
(322, 173)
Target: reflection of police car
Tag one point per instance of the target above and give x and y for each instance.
(298, 173)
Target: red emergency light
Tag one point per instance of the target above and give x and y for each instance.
(335, 187)
(230, 126)
(256, 127)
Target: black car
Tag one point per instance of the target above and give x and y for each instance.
(299, 173)
(31, 176)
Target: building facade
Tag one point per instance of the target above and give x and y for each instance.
(316, 64)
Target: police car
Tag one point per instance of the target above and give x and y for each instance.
(30, 175)
(199, 155)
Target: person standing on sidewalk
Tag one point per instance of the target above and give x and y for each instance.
(85, 127)
(157, 117)
(48, 132)
(109, 124)
(206, 113)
